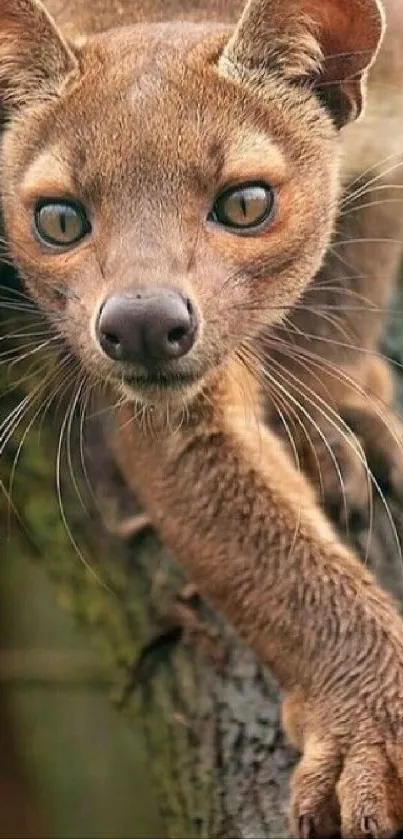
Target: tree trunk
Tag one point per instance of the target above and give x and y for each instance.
(209, 708)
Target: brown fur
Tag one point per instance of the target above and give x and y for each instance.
(145, 124)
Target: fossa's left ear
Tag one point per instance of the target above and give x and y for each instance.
(34, 57)
(330, 43)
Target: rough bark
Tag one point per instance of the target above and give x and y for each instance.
(210, 710)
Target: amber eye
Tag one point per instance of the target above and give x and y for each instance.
(244, 208)
(61, 223)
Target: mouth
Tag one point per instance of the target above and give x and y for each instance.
(161, 380)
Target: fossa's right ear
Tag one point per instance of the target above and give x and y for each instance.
(329, 44)
(34, 57)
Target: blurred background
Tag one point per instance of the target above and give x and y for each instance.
(71, 765)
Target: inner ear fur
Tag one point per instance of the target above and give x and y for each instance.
(330, 43)
(34, 57)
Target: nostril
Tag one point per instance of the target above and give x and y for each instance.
(176, 335)
(189, 306)
(111, 338)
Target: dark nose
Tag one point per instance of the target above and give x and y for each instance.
(147, 326)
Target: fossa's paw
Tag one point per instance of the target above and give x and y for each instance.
(356, 465)
(350, 778)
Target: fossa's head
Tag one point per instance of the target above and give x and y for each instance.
(168, 189)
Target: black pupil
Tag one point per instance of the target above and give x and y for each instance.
(63, 222)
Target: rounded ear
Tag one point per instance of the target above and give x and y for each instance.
(331, 43)
(34, 57)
